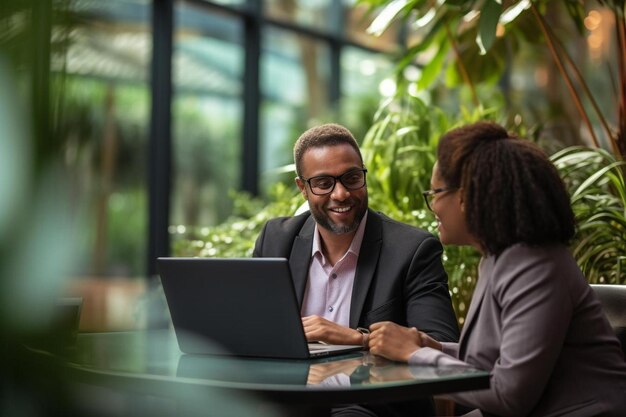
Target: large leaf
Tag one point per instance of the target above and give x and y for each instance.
(600, 175)
(489, 17)
(596, 182)
(386, 16)
(481, 69)
(434, 36)
(514, 11)
(432, 70)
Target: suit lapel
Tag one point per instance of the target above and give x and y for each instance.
(484, 272)
(300, 258)
(366, 265)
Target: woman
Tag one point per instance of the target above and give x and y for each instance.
(533, 322)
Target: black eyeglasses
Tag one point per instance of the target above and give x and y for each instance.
(325, 184)
(429, 195)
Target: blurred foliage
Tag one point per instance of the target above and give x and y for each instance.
(38, 223)
(236, 236)
(455, 45)
(595, 179)
(104, 137)
(126, 218)
(399, 149)
(466, 43)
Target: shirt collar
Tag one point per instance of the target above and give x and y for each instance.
(355, 246)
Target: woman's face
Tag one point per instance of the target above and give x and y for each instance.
(449, 212)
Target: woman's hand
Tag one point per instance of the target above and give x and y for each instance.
(397, 342)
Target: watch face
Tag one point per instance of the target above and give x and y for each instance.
(362, 330)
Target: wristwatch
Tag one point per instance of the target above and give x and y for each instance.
(365, 332)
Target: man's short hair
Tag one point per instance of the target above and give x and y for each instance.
(330, 134)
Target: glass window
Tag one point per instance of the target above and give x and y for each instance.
(104, 122)
(319, 14)
(231, 3)
(364, 75)
(102, 109)
(294, 85)
(207, 115)
(362, 71)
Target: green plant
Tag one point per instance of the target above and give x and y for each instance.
(399, 151)
(236, 236)
(598, 191)
(468, 42)
(471, 46)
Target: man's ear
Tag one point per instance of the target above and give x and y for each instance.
(461, 201)
(302, 187)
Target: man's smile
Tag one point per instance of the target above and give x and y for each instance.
(340, 209)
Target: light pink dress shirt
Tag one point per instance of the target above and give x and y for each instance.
(329, 288)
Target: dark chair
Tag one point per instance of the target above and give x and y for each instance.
(613, 299)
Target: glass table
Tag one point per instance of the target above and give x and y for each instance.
(149, 363)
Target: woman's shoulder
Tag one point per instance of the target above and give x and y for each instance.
(535, 262)
(523, 252)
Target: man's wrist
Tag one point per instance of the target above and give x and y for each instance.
(365, 335)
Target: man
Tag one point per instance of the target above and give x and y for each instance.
(351, 266)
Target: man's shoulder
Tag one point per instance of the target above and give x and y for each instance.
(278, 235)
(395, 227)
(287, 223)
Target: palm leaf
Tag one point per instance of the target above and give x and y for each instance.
(598, 194)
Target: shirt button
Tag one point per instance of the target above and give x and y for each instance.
(330, 309)
(334, 276)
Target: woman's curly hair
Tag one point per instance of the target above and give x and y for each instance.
(511, 191)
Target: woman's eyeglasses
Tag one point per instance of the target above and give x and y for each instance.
(429, 195)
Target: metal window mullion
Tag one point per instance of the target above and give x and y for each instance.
(252, 100)
(160, 139)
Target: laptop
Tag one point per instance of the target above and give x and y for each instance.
(237, 306)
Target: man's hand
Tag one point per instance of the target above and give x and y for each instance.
(318, 329)
(318, 372)
(396, 342)
(394, 373)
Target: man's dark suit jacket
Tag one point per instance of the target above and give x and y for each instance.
(399, 275)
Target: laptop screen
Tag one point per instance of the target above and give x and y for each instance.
(241, 306)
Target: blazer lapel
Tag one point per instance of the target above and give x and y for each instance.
(484, 268)
(366, 265)
(300, 258)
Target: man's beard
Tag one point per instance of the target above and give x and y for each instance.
(323, 220)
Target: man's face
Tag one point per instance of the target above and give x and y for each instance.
(341, 210)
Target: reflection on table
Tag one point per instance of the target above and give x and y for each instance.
(150, 363)
(348, 370)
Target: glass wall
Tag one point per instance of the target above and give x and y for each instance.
(102, 120)
(207, 115)
(365, 76)
(324, 15)
(295, 76)
(100, 93)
